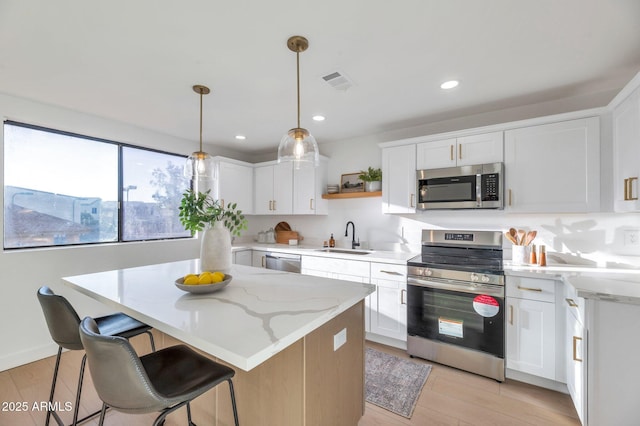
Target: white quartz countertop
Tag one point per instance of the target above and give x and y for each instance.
(304, 250)
(257, 315)
(616, 285)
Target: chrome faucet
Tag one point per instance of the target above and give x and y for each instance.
(353, 235)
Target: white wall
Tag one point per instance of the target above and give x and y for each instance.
(25, 337)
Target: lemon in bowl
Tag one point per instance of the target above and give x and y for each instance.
(205, 282)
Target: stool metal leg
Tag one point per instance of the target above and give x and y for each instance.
(153, 342)
(53, 390)
(233, 402)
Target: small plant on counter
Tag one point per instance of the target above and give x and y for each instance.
(371, 175)
(199, 209)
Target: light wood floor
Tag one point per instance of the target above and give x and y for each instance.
(450, 397)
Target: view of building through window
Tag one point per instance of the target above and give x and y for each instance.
(62, 189)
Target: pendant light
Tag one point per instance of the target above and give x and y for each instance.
(298, 145)
(199, 165)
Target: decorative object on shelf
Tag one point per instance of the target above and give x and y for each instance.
(372, 179)
(351, 182)
(298, 145)
(200, 212)
(199, 166)
(333, 189)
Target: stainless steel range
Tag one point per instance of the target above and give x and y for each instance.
(455, 301)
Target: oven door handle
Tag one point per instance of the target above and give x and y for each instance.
(491, 290)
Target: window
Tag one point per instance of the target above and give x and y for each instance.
(64, 189)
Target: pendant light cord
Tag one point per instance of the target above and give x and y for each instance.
(201, 90)
(298, 73)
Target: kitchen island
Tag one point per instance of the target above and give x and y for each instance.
(296, 342)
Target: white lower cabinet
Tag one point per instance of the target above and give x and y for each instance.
(388, 305)
(243, 257)
(575, 354)
(531, 326)
(259, 259)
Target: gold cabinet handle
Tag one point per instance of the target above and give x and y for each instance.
(411, 200)
(460, 152)
(530, 289)
(391, 272)
(451, 152)
(509, 196)
(274, 205)
(626, 189)
(403, 300)
(222, 203)
(575, 348)
(311, 204)
(270, 205)
(263, 259)
(511, 314)
(571, 303)
(630, 186)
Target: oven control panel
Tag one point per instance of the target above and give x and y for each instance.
(462, 276)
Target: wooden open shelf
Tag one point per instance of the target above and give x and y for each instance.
(352, 195)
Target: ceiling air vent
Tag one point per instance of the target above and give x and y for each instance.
(337, 80)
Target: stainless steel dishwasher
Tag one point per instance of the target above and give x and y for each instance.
(283, 262)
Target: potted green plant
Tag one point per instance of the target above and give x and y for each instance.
(372, 179)
(200, 212)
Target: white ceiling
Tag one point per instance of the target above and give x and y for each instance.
(136, 61)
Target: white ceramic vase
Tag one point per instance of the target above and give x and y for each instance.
(373, 186)
(215, 251)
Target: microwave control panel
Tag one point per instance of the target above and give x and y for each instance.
(490, 187)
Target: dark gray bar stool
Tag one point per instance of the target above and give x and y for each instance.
(160, 381)
(63, 323)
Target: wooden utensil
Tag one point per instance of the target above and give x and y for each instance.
(514, 235)
(510, 238)
(521, 235)
(531, 235)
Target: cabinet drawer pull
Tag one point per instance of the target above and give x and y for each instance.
(571, 303)
(451, 152)
(630, 185)
(460, 152)
(222, 203)
(411, 200)
(263, 261)
(403, 300)
(310, 203)
(511, 314)
(530, 289)
(575, 348)
(391, 272)
(626, 189)
(270, 205)
(509, 196)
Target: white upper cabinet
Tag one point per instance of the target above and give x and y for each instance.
(273, 186)
(308, 186)
(234, 184)
(626, 149)
(399, 179)
(461, 151)
(553, 167)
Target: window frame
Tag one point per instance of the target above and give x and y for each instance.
(120, 200)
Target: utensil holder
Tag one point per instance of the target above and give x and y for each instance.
(519, 255)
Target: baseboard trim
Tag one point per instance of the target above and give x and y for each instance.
(536, 381)
(17, 359)
(386, 341)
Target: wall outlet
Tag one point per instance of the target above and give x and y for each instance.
(632, 237)
(339, 339)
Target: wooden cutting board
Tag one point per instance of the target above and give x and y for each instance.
(283, 237)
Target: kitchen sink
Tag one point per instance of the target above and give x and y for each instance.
(345, 251)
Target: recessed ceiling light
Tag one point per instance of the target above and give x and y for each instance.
(449, 84)
(318, 118)
(241, 137)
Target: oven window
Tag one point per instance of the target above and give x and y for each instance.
(451, 317)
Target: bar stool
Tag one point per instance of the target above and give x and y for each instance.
(160, 381)
(63, 322)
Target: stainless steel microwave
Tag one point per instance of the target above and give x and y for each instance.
(465, 187)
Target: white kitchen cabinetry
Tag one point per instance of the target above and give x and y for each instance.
(399, 179)
(462, 151)
(258, 258)
(273, 186)
(308, 185)
(575, 349)
(340, 269)
(388, 305)
(234, 183)
(531, 326)
(554, 167)
(243, 257)
(626, 151)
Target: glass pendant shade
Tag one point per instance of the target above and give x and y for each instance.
(299, 147)
(199, 165)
